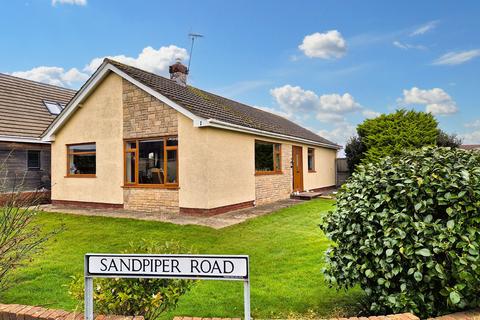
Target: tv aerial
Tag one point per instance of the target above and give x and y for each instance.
(193, 37)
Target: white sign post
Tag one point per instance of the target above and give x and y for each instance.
(206, 267)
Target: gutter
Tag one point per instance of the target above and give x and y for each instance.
(229, 126)
(22, 139)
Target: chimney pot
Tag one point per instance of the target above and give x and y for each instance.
(179, 72)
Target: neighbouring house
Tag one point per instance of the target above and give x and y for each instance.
(470, 146)
(26, 109)
(135, 140)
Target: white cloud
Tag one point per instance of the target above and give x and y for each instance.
(296, 101)
(53, 75)
(74, 2)
(436, 100)
(471, 137)
(150, 59)
(326, 117)
(474, 124)
(429, 26)
(340, 134)
(454, 58)
(336, 103)
(407, 46)
(329, 45)
(370, 114)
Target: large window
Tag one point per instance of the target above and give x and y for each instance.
(267, 157)
(311, 159)
(33, 160)
(82, 160)
(151, 162)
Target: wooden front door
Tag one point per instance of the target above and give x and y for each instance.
(297, 163)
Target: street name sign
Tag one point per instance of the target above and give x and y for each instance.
(172, 266)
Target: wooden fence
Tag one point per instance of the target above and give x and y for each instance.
(342, 171)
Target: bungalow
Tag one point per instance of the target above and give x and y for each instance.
(26, 109)
(135, 140)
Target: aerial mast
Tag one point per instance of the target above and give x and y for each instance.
(192, 36)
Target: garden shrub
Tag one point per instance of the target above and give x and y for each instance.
(135, 297)
(406, 229)
(354, 152)
(21, 237)
(448, 140)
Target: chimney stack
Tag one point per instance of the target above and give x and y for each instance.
(179, 72)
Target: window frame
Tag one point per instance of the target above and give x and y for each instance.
(81, 175)
(275, 152)
(166, 148)
(39, 152)
(49, 104)
(313, 160)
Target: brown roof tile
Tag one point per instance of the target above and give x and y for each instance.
(210, 106)
(22, 112)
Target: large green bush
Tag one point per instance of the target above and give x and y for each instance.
(391, 134)
(131, 297)
(407, 230)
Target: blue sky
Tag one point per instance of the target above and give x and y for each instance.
(324, 64)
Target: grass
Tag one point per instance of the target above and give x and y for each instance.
(286, 251)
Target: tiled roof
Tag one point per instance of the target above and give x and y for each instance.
(210, 106)
(22, 111)
(470, 146)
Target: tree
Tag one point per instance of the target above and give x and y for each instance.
(392, 134)
(406, 229)
(354, 152)
(448, 140)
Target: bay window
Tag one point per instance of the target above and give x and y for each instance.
(151, 162)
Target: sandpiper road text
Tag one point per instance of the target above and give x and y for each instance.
(168, 265)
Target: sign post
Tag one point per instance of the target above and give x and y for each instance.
(171, 266)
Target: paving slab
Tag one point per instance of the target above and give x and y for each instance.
(218, 221)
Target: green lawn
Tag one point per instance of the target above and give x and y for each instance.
(286, 252)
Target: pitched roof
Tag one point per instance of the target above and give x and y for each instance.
(470, 146)
(211, 106)
(22, 111)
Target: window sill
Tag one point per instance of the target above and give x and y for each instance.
(268, 173)
(312, 171)
(154, 186)
(81, 176)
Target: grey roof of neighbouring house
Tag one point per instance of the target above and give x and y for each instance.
(22, 111)
(210, 106)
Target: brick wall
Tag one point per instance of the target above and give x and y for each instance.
(22, 312)
(464, 315)
(145, 116)
(151, 199)
(32, 198)
(270, 188)
(403, 316)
